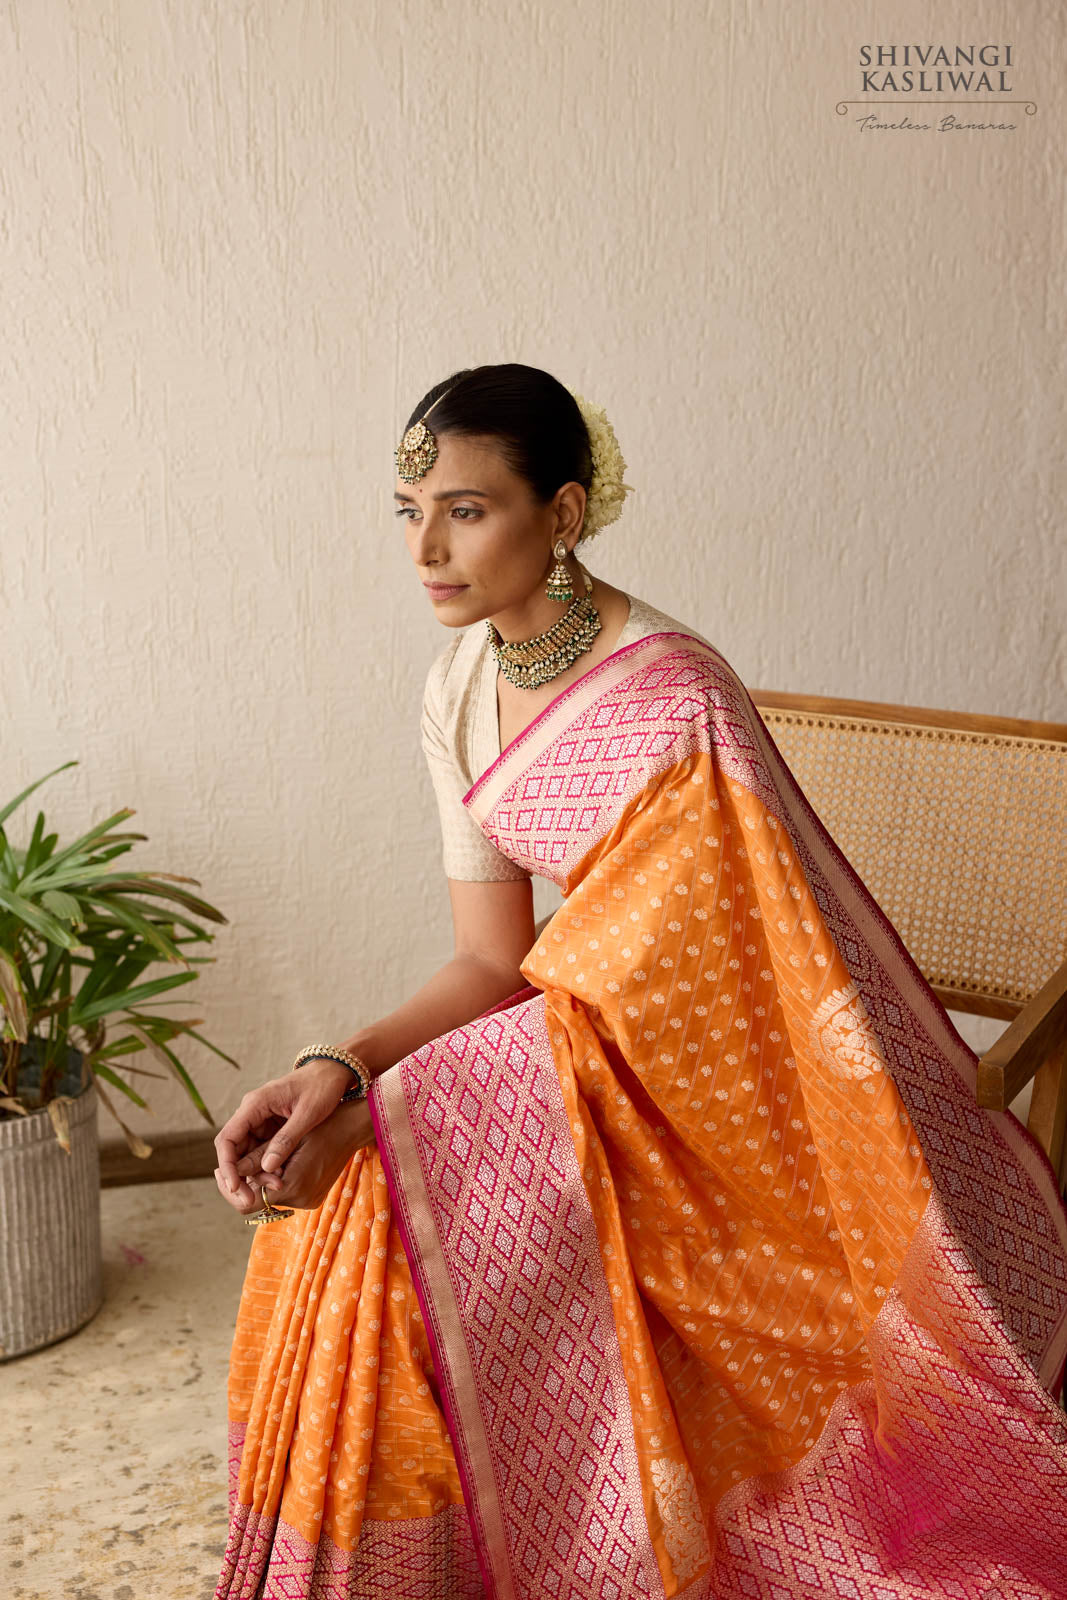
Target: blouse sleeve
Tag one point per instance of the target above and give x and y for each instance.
(466, 852)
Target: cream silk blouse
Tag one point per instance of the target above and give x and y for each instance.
(461, 736)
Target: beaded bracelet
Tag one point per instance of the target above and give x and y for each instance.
(361, 1088)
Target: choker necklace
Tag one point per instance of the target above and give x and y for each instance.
(528, 663)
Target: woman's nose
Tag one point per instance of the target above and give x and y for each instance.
(425, 541)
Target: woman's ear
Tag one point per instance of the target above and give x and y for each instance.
(570, 513)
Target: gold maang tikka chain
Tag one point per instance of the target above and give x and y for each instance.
(529, 663)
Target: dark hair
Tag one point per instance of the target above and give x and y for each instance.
(540, 431)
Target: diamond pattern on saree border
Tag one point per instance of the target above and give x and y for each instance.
(522, 1252)
(416, 1558)
(570, 795)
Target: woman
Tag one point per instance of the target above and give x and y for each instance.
(669, 1253)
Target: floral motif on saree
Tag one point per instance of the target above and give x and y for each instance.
(842, 1036)
(691, 1270)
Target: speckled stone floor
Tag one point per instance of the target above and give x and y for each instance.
(113, 1465)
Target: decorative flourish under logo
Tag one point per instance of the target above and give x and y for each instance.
(843, 1035)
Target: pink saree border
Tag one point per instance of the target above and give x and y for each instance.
(488, 787)
(440, 1315)
(505, 1259)
(268, 1559)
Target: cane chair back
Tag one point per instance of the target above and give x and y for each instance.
(956, 824)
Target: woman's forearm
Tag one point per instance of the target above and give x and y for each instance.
(457, 993)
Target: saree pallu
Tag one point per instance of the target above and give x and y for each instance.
(691, 1270)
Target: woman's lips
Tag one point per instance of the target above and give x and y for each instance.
(444, 591)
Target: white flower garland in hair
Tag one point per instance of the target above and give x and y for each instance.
(603, 503)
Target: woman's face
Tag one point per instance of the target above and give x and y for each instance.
(476, 531)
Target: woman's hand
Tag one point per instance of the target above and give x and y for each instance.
(277, 1116)
(310, 1171)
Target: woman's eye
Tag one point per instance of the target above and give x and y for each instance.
(468, 513)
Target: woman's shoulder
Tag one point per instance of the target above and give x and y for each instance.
(451, 669)
(646, 619)
(696, 659)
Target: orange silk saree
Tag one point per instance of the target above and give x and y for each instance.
(693, 1269)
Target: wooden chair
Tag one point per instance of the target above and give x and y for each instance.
(957, 825)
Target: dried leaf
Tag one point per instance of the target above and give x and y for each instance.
(7, 1104)
(60, 1115)
(135, 1142)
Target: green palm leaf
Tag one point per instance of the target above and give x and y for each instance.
(188, 1028)
(12, 805)
(38, 848)
(102, 1071)
(168, 1058)
(143, 883)
(80, 846)
(8, 864)
(62, 905)
(103, 1006)
(40, 921)
(151, 913)
(126, 1046)
(130, 919)
(86, 867)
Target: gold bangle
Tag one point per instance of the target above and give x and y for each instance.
(332, 1052)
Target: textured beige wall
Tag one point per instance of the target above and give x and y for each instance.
(239, 240)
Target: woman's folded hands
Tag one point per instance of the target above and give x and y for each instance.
(291, 1138)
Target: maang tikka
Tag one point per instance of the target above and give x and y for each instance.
(417, 450)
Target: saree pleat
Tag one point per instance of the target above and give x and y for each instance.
(329, 1354)
(691, 1270)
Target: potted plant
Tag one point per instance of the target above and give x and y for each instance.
(76, 939)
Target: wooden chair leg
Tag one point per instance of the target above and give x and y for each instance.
(1048, 1109)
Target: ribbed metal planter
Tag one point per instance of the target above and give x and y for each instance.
(51, 1278)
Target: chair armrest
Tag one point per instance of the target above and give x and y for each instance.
(1037, 1033)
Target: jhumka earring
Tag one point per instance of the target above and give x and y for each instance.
(558, 586)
